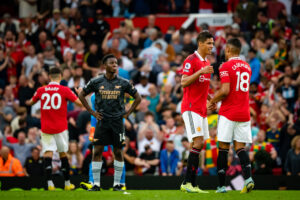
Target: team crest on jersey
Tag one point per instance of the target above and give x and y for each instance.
(117, 87)
(187, 66)
(198, 129)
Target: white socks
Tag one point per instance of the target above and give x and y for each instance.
(67, 183)
(50, 183)
(96, 169)
(118, 171)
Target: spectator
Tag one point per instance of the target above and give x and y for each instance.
(22, 150)
(263, 153)
(265, 24)
(151, 53)
(25, 92)
(184, 155)
(29, 61)
(4, 61)
(169, 128)
(91, 62)
(151, 158)
(142, 110)
(209, 153)
(153, 98)
(167, 100)
(9, 24)
(294, 54)
(287, 132)
(247, 10)
(274, 8)
(27, 8)
(292, 164)
(273, 133)
(135, 43)
(9, 166)
(148, 135)
(75, 157)
(68, 61)
(288, 92)
(169, 159)
(267, 49)
(34, 165)
(53, 23)
(143, 86)
(281, 54)
(167, 76)
(21, 114)
(255, 66)
(6, 114)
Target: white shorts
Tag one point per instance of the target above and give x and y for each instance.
(230, 130)
(195, 125)
(53, 142)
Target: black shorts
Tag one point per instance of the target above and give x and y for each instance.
(110, 132)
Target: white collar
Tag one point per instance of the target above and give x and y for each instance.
(199, 56)
(235, 58)
(53, 83)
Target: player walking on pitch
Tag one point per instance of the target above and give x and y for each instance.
(234, 114)
(109, 92)
(54, 124)
(195, 83)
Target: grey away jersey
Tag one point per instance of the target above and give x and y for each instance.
(109, 95)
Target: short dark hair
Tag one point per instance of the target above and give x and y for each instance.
(54, 71)
(184, 139)
(106, 57)
(34, 148)
(236, 44)
(203, 36)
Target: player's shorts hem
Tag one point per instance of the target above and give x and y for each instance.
(243, 141)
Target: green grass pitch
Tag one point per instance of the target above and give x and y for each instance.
(147, 194)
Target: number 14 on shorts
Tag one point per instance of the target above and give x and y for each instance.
(122, 137)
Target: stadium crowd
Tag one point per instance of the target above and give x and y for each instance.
(73, 35)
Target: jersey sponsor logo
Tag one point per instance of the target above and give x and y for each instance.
(187, 66)
(109, 94)
(203, 79)
(224, 73)
(117, 86)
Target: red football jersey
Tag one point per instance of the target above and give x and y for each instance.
(195, 95)
(54, 99)
(235, 106)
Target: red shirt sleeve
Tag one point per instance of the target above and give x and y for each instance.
(70, 95)
(188, 68)
(224, 74)
(37, 95)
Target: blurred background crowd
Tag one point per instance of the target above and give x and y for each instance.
(74, 35)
